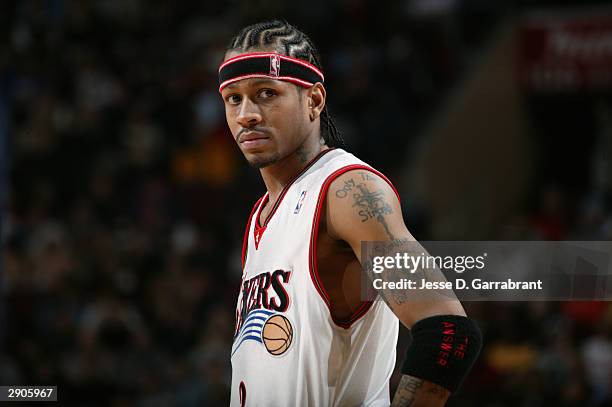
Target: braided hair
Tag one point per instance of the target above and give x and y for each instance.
(290, 41)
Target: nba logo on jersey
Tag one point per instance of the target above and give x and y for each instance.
(274, 65)
(299, 204)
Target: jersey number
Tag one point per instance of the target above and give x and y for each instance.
(242, 393)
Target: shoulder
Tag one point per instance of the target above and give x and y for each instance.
(362, 202)
(343, 168)
(354, 181)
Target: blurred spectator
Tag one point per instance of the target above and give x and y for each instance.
(127, 197)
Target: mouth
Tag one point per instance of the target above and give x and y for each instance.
(253, 140)
(252, 136)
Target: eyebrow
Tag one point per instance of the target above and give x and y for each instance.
(255, 82)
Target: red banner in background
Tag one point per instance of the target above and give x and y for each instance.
(566, 52)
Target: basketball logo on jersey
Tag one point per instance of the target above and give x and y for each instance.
(299, 203)
(259, 315)
(272, 330)
(277, 334)
(274, 65)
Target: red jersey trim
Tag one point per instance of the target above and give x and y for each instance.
(245, 239)
(312, 256)
(285, 190)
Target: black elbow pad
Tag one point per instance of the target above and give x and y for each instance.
(443, 350)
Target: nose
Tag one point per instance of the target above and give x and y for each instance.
(249, 114)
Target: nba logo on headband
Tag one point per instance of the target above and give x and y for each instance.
(274, 66)
(268, 65)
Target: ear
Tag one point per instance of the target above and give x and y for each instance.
(316, 100)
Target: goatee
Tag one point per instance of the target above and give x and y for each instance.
(261, 162)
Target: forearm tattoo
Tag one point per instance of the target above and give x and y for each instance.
(412, 390)
(406, 391)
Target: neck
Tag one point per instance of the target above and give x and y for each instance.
(279, 174)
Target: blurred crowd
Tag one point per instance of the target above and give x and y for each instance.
(127, 198)
(546, 353)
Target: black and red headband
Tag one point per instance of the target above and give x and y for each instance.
(269, 65)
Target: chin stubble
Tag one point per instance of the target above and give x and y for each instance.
(261, 162)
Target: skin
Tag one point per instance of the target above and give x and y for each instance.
(287, 119)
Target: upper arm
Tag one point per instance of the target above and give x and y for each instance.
(362, 206)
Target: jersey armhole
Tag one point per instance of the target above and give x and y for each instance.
(364, 306)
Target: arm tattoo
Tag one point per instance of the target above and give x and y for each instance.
(346, 188)
(406, 391)
(365, 176)
(391, 297)
(410, 248)
(371, 204)
(374, 206)
(413, 390)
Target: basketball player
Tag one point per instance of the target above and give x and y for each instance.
(304, 337)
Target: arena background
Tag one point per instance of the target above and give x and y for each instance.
(124, 197)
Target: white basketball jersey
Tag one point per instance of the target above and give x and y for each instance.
(287, 350)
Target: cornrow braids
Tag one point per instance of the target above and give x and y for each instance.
(289, 41)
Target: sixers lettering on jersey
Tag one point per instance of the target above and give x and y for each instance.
(263, 296)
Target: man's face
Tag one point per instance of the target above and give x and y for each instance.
(268, 118)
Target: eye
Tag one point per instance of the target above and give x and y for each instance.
(233, 99)
(266, 93)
